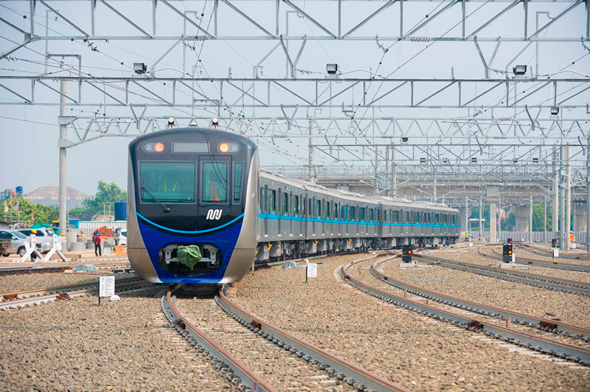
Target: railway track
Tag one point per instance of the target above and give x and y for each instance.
(350, 376)
(25, 270)
(546, 282)
(486, 310)
(540, 252)
(546, 346)
(539, 263)
(17, 300)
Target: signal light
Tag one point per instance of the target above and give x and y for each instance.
(224, 147)
(159, 147)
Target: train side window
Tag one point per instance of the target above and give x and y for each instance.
(362, 214)
(285, 209)
(435, 218)
(407, 216)
(296, 205)
(303, 200)
(238, 168)
(417, 217)
(371, 215)
(318, 208)
(273, 201)
(327, 209)
(394, 217)
(311, 202)
(352, 215)
(262, 201)
(343, 212)
(336, 210)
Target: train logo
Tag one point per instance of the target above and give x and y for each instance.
(213, 214)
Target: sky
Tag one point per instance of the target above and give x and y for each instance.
(29, 134)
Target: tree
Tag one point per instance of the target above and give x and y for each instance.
(21, 209)
(106, 194)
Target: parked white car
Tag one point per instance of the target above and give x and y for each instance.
(44, 238)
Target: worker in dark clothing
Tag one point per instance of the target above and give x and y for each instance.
(97, 240)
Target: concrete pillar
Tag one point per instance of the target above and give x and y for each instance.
(464, 214)
(493, 213)
(579, 217)
(522, 218)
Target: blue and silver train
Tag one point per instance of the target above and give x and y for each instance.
(204, 187)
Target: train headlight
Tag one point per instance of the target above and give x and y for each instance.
(228, 147)
(153, 147)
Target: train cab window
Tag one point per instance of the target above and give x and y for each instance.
(273, 201)
(296, 205)
(238, 168)
(172, 182)
(214, 182)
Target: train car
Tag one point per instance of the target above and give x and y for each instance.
(192, 186)
(204, 187)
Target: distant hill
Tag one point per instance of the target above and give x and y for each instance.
(49, 196)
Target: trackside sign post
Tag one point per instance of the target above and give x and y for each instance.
(311, 270)
(106, 287)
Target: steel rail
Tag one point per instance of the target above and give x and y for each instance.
(40, 296)
(540, 252)
(25, 270)
(354, 375)
(486, 310)
(540, 263)
(232, 368)
(546, 346)
(566, 286)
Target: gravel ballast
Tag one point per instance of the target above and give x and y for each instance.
(412, 350)
(77, 346)
(13, 283)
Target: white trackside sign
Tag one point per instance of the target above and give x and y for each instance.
(107, 286)
(312, 270)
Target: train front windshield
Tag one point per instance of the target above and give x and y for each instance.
(181, 175)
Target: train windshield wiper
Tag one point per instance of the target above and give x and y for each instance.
(166, 209)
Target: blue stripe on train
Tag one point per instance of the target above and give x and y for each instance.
(343, 222)
(156, 239)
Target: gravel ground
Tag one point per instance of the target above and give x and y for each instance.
(527, 253)
(571, 308)
(412, 350)
(76, 346)
(12, 283)
(284, 371)
(473, 257)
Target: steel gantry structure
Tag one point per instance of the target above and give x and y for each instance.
(458, 133)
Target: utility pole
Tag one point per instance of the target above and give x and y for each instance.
(530, 219)
(568, 197)
(312, 174)
(63, 136)
(387, 171)
(562, 230)
(434, 185)
(394, 172)
(500, 219)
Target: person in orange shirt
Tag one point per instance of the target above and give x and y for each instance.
(571, 237)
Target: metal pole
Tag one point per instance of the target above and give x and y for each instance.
(544, 219)
(467, 217)
(555, 204)
(530, 219)
(588, 194)
(500, 219)
(568, 197)
(312, 173)
(434, 187)
(562, 229)
(387, 171)
(480, 218)
(63, 135)
(394, 174)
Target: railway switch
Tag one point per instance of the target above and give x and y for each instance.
(507, 253)
(407, 254)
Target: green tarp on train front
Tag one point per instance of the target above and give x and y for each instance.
(189, 255)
